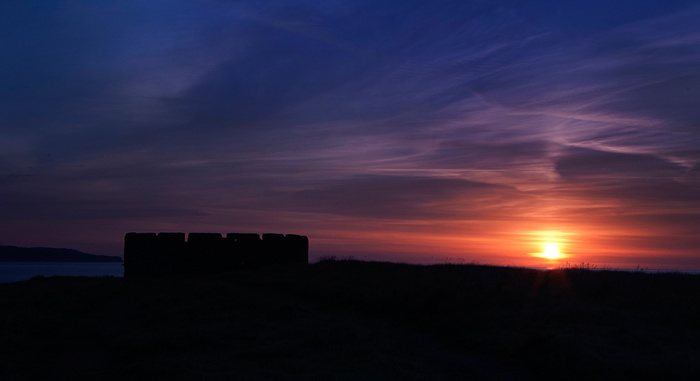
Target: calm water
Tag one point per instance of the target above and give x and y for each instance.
(16, 271)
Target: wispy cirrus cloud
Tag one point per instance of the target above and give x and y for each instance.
(412, 118)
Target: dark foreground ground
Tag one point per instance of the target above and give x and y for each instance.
(346, 320)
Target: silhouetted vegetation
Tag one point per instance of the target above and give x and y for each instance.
(348, 320)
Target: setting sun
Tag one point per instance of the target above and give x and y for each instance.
(551, 251)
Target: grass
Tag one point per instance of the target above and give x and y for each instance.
(349, 320)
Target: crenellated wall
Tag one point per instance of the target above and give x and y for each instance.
(148, 254)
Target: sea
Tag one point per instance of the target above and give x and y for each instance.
(18, 271)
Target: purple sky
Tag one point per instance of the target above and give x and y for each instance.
(386, 130)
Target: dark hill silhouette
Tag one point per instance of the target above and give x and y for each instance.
(47, 254)
(349, 320)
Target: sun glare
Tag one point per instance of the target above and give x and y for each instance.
(551, 251)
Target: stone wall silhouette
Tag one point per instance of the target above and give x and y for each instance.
(149, 254)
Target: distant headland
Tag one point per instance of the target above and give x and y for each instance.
(147, 254)
(47, 254)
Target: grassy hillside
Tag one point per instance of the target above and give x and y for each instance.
(347, 320)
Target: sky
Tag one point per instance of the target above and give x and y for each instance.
(412, 131)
